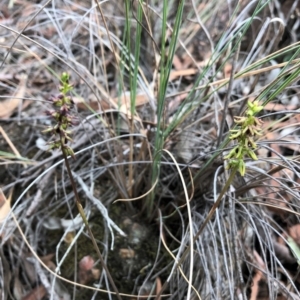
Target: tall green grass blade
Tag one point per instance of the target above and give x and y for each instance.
(193, 100)
(137, 50)
(165, 67)
(7, 155)
(283, 80)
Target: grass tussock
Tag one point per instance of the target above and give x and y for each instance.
(184, 150)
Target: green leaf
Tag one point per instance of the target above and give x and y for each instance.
(294, 248)
(8, 155)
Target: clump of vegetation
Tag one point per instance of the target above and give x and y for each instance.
(182, 117)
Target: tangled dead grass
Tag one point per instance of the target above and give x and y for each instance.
(247, 250)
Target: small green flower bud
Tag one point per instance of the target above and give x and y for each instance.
(252, 154)
(68, 151)
(242, 167)
(47, 130)
(240, 120)
(235, 134)
(65, 77)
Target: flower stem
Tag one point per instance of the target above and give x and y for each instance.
(83, 216)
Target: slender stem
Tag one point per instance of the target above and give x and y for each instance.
(82, 214)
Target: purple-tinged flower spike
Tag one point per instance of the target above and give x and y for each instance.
(62, 117)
